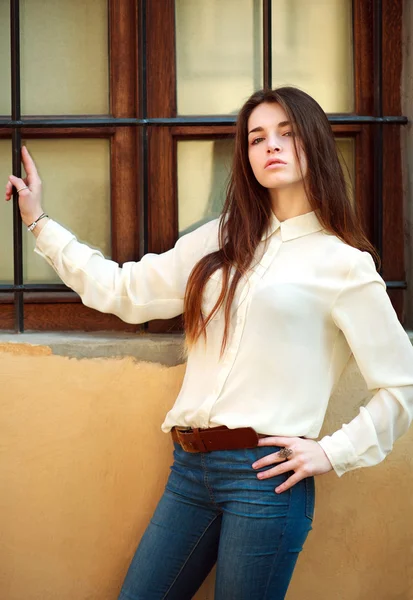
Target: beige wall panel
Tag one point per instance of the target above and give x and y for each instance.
(83, 463)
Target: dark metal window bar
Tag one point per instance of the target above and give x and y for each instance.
(16, 123)
(378, 134)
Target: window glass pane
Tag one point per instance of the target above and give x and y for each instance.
(203, 169)
(76, 190)
(203, 172)
(218, 54)
(346, 154)
(5, 87)
(64, 57)
(6, 216)
(313, 50)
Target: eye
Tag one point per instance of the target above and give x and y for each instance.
(256, 141)
(288, 134)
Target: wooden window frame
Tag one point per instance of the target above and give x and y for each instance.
(63, 310)
(144, 203)
(162, 189)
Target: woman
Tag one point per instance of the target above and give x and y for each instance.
(276, 295)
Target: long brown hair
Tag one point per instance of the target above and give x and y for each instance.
(247, 209)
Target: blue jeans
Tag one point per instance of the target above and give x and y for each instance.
(215, 510)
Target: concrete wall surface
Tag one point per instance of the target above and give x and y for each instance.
(83, 463)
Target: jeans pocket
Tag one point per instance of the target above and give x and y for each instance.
(251, 455)
(309, 497)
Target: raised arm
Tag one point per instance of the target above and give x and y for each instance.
(152, 288)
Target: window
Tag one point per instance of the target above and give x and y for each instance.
(129, 109)
(77, 114)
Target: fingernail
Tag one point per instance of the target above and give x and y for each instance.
(254, 465)
(260, 475)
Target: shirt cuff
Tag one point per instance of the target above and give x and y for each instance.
(340, 452)
(52, 239)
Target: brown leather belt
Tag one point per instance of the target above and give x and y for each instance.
(216, 438)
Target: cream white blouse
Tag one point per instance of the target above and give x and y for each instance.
(308, 302)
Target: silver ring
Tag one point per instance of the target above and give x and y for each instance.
(26, 187)
(285, 453)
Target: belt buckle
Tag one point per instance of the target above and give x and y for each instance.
(186, 445)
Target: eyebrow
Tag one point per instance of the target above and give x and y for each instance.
(281, 124)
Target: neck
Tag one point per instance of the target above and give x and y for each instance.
(290, 201)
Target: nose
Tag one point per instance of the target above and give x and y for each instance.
(274, 147)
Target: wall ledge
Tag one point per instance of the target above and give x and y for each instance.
(166, 349)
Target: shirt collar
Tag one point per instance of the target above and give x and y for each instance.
(293, 228)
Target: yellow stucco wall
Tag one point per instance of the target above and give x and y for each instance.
(83, 462)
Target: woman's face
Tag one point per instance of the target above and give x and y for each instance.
(271, 150)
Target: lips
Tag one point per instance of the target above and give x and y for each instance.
(274, 161)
